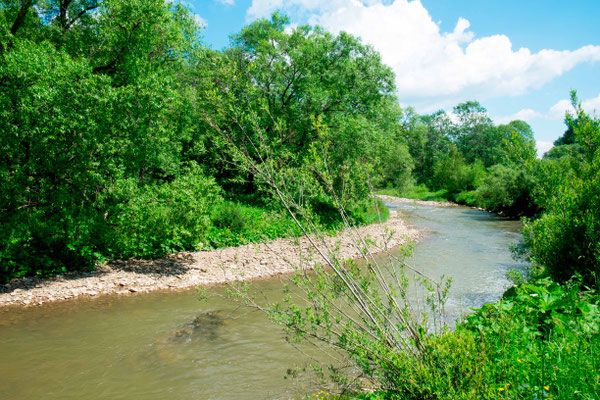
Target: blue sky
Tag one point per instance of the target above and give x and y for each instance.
(520, 59)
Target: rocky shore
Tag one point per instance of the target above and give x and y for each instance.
(392, 199)
(185, 270)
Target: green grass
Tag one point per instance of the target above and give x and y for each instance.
(235, 224)
(420, 192)
(468, 198)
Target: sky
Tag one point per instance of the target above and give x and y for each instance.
(519, 59)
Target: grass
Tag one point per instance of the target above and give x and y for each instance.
(236, 224)
(420, 192)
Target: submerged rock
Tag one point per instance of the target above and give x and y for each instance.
(204, 326)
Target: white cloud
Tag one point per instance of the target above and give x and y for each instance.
(227, 2)
(526, 115)
(558, 110)
(543, 147)
(434, 69)
(200, 21)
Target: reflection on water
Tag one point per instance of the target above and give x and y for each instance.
(170, 345)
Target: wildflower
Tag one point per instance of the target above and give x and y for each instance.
(501, 389)
(547, 388)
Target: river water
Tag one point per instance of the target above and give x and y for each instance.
(171, 345)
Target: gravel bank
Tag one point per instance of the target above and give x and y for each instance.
(393, 199)
(185, 270)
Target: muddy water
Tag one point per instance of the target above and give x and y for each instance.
(171, 345)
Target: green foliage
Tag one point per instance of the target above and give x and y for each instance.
(475, 134)
(566, 238)
(396, 165)
(303, 95)
(507, 190)
(572, 152)
(454, 175)
(235, 224)
(370, 213)
(569, 136)
(420, 192)
(468, 198)
(153, 220)
(540, 342)
(92, 141)
(518, 143)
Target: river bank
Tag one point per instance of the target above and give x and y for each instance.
(185, 270)
(392, 199)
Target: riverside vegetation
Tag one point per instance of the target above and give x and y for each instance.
(123, 135)
(541, 340)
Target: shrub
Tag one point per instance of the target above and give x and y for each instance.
(152, 220)
(540, 342)
(566, 238)
(467, 197)
(507, 190)
(230, 216)
(455, 175)
(396, 165)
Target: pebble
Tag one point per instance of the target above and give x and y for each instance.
(253, 261)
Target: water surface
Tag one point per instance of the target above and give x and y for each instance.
(170, 345)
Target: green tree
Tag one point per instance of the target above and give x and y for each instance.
(518, 143)
(508, 190)
(566, 239)
(293, 89)
(475, 134)
(73, 132)
(439, 126)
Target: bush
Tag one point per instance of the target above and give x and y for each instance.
(453, 174)
(507, 190)
(370, 213)
(540, 342)
(566, 238)
(230, 216)
(235, 224)
(467, 197)
(153, 220)
(422, 192)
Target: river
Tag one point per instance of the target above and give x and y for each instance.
(146, 346)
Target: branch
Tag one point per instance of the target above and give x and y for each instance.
(80, 14)
(25, 5)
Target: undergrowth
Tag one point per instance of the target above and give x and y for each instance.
(541, 341)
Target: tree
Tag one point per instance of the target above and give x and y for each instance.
(82, 144)
(566, 238)
(439, 126)
(475, 134)
(518, 143)
(302, 88)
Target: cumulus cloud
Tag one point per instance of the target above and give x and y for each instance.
(431, 64)
(543, 147)
(200, 21)
(524, 115)
(558, 110)
(227, 2)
